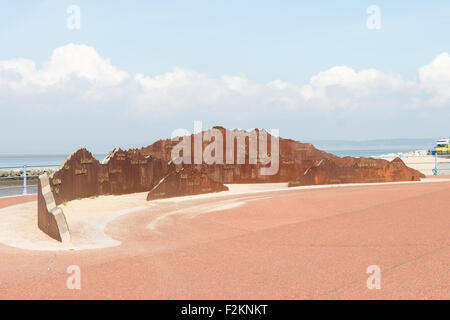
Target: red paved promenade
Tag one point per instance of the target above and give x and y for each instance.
(10, 201)
(303, 244)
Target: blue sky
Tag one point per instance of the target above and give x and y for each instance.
(268, 52)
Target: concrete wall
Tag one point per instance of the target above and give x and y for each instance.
(51, 219)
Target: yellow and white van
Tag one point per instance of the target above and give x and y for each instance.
(442, 146)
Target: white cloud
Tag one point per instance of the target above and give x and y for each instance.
(66, 63)
(79, 72)
(435, 79)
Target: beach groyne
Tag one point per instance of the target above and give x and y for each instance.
(16, 176)
(30, 172)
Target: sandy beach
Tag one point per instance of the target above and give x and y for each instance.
(419, 160)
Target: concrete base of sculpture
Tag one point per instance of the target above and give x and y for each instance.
(51, 219)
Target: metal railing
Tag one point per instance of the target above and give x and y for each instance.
(442, 168)
(25, 174)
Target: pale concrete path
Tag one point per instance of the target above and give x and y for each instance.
(291, 244)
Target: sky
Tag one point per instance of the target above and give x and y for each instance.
(100, 74)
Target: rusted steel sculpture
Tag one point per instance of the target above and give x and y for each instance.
(294, 157)
(82, 176)
(238, 157)
(361, 170)
(122, 172)
(183, 183)
(139, 170)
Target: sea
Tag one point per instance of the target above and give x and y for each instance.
(12, 162)
(8, 162)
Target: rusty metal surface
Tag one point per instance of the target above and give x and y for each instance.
(81, 175)
(185, 182)
(140, 170)
(294, 158)
(361, 170)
